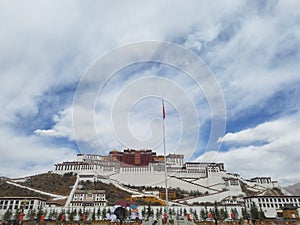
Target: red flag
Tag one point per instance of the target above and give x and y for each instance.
(232, 215)
(188, 216)
(163, 111)
(21, 217)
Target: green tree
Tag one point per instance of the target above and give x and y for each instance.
(177, 212)
(144, 211)
(206, 211)
(216, 212)
(62, 212)
(68, 212)
(31, 214)
(150, 212)
(39, 213)
(261, 214)
(104, 212)
(75, 212)
(254, 211)
(245, 214)
(173, 212)
(98, 213)
(223, 214)
(180, 212)
(195, 215)
(80, 214)
(203, 214)
(158, 213)
(17, 213)
(52, 214)
(94, 215)
(7, 215)
(55, 215)
(72, 215)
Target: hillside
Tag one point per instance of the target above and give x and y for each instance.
(9, 190)
(52, 183)
(47, 182)
(294, 189)
(54, 187)
(250, 191)
(57, 184)
(271, 192)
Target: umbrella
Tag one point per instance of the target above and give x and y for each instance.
(120, 213)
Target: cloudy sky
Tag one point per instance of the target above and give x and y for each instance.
(88, 77)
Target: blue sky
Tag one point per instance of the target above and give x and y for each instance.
(251, 50)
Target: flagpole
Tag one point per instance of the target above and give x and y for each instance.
(165, 159)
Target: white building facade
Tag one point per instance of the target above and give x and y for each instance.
(83, 198)
(271, 204)
(24, 204)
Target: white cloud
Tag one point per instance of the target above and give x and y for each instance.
(195, 40)
(278, 158)
(63, 126)
(28, 155)
(268, 131)
(259, 59)
(52, 44)
(252, 49)
(127, 114)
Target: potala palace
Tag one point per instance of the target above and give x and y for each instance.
(145, 168)
(130, 169)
